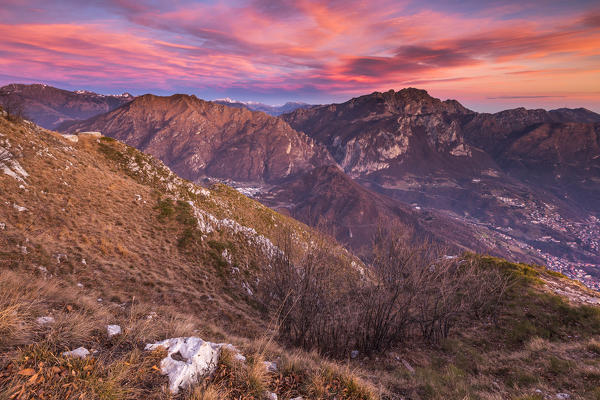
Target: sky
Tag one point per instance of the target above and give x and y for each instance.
(489, 55)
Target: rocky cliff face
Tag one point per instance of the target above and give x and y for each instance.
(49, 107)
(407, 129)
(197, 138)
(530, 176)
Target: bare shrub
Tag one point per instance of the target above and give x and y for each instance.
(409, 292)
(311, 298)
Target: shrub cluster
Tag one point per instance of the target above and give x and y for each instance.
(408, 293)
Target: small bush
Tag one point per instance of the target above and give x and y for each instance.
(165, 208)
(558, 366)
(111, 152)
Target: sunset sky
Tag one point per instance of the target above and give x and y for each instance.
(489, 55)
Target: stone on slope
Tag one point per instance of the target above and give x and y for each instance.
(188, 360)
(45, 320)
(80, 352)
(113, 330)
(270, 366)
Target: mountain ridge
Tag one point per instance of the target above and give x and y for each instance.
(50, 107)
(209, 138)
(99, 238)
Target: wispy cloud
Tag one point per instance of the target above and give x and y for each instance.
(524, 97)
(306, 48)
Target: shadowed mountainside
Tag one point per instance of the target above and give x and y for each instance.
(49, 107)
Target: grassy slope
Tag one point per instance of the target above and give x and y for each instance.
(145, 257)
(539, 345)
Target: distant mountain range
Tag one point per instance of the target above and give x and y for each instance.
(266, 108)
(523, 184)
(530, 179)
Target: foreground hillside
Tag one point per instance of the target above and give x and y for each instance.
(94, 233)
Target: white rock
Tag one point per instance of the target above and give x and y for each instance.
(83, 261)
(227, 256)
(45, 320)
(270, 366)
(19, 208)
(2, 226)
(298, 398)
(270, 396)
(563, 396)
(113, 330)
(247, 288)
(80, 352)
(188, 360)
(72, 138)
(79, 284)
(236, 353)
(354, 354)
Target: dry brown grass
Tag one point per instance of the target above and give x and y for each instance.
(32, 366)
(134, 262)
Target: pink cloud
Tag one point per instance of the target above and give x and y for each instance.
(335, 47)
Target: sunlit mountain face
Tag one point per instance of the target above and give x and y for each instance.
(486, 55)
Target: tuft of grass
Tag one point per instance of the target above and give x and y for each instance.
(593, 346)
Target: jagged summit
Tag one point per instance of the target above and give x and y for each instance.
(410, 101)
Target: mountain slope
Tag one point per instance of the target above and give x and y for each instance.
(329, 199)
(95, 209)
(528, 176)
(93, 232)
(49, 107)
(198, 138)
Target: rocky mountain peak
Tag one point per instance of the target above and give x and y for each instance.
(409, 101)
